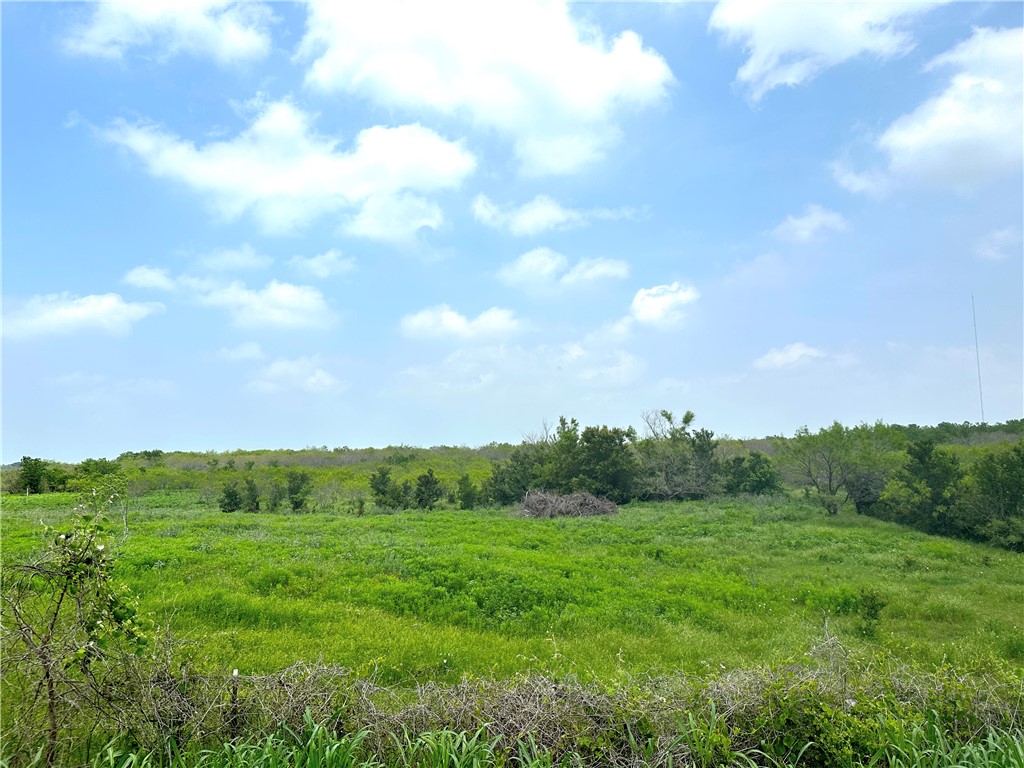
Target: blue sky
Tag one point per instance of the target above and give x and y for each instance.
(237, 225)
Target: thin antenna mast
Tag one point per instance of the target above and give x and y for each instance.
(977, 355)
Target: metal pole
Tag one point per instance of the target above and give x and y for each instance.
(977, 355)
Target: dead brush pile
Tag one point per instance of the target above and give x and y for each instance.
(542, 504)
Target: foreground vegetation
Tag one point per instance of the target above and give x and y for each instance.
(772, 603)
(753, 629)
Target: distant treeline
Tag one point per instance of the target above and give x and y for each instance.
(963, 480)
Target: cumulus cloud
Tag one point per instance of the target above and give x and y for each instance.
(226, 32)
(542, 270)
(554, 85)
(970, 133)
(63, 313)
(235, 259)
(812, 224)
(276, 305)
(998, 244)
(247, 350)
(662, 305)
(327, 264)
(539, 215)
(395, 218)
(784, 357)
(287, 175)
(301, 374)
(442, 322)
(792, 43)
(149, 277)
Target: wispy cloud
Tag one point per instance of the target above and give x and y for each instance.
(541, 214)
(809, 226)
(327, 264)
(276, 305)
(65, 313)
(543, 270)
(999, 244)
(228, 33)
(791, 43)
(301, 374)
(442, 322)
(789, 355)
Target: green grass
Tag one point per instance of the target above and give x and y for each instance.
(693, 587)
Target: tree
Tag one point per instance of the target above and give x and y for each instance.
(250, 496)
(677, 463)
(299, 486)
(821, 461)
(607, 464)
(230, 499)
(428, 490)
(753, 473)
(33, 475)
(842, 464)
(467, 493)
(65, 622)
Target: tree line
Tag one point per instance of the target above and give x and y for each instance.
(955, 480)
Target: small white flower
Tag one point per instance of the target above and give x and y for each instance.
(63, 537)
(99, 547)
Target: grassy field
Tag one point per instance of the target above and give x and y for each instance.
(696, 587)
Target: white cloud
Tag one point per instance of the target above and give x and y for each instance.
(554, 85)
(588, 269)
(149, 277)
(302, 374)
(791, 354)
(60, 313)
(790, 43)
(276, 305)
(286, 175)
(247, 350)
(662, 305)
(235, 259)
(395, 218)
(226, 32)
(327, 264)
(872, 183)
(543, 270)
(539, 215)
(974, 130)
(814, 221)
(444, 322)
(999, 244)
(969, 134)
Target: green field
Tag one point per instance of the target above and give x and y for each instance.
(695, 587)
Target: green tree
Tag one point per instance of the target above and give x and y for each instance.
(230, 498)
(33, 475)
(300, 484)
(677, 463)
(820, 461)
(467, 493)
(607, 464)
(250, 496)
(428, 490)
(753, 473)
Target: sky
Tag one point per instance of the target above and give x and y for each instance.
(245, 225)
